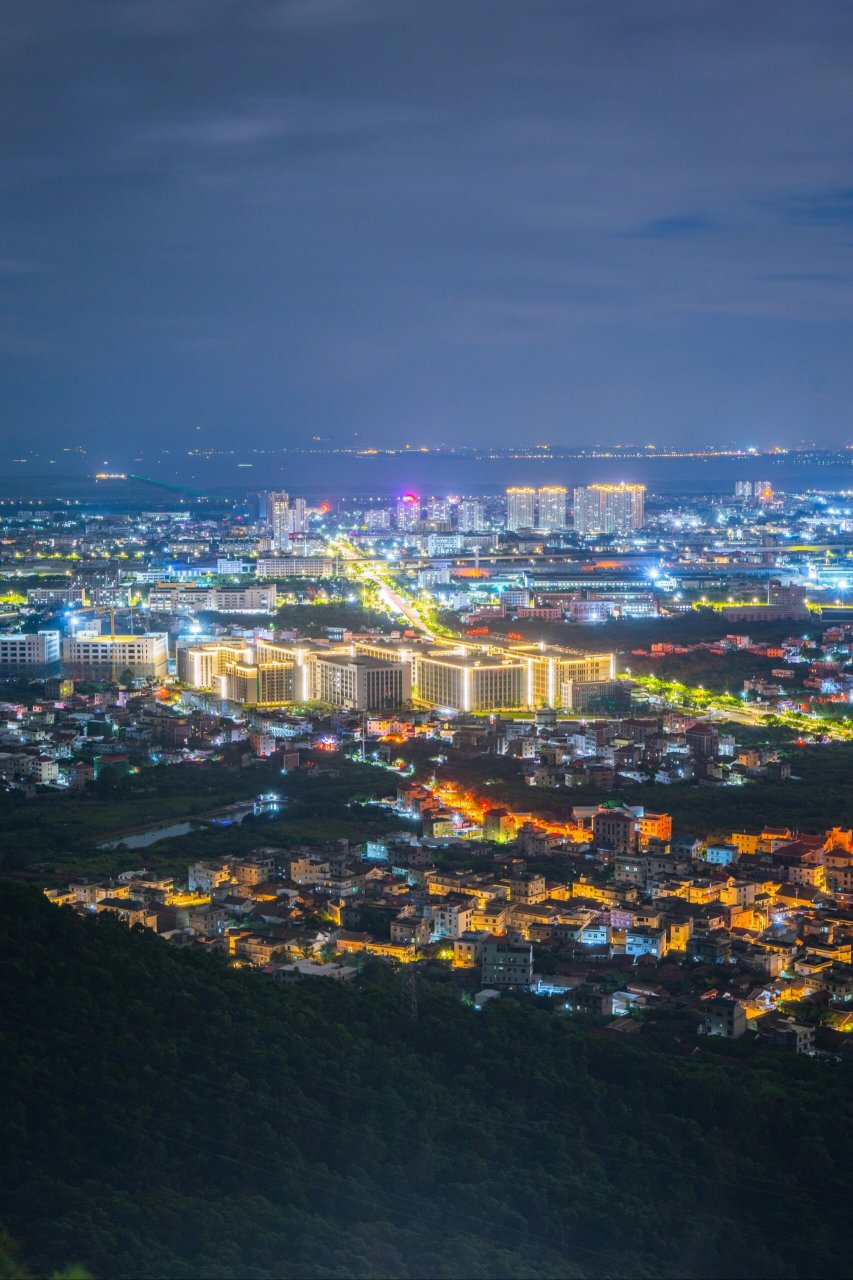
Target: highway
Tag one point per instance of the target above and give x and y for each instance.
(393, 600)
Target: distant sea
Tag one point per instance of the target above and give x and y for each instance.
(336, 475)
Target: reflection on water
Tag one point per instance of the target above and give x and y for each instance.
(167, 830)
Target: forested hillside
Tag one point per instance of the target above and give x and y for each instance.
(163, 1116)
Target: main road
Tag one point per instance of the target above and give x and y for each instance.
(393, 600)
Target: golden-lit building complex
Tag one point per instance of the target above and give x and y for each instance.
(239, 672)
(268, 674)
(379, 674)
(267, 685)
(200, 664)
(293, 657)
(523, 676)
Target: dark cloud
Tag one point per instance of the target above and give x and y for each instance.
(443, 219)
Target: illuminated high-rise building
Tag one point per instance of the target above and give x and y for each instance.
(609, 508)
(438, 512)
(624, 508)
(278, 519)
(552, 508)
(377, 518)
(520, 509)
(268, 499)
(470, 516)
(408, 512)
(754, 490)
(587, 510)
(298, 516)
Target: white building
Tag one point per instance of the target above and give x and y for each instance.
(470, 516)
(298, 567)
(444, 544)
(226, 565)
(176, 597)
(298, 516)
(146, 654)
(507, 964)
(179, 597)
(552, 508)
(27, 650)
(359, 683)
(244, 599)
(279, 519)
(464, 683)
(609, 508)
(408, 512)
(438, 512)
(520, 508)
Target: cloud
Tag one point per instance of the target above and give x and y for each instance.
(363, 206)
(311, 13)
(675, 225)
(832, 208)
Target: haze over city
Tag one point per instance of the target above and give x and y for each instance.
(435, 222)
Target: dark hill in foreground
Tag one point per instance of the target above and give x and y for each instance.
(163, 1116)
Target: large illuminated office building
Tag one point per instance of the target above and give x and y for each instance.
(88, 652)
(609, 508)
(524, 676)
(260, 674)
(462, 682)
(381, 673)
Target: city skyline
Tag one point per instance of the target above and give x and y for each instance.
(364, 222)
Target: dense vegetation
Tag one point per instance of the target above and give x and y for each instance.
(717, 672)
(56, 829)
(164, 1116)
(315, 620)
(308, 619)
(818, 795)
(57, 835)
(697, 626)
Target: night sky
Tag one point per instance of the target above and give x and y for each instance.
(426, 220)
